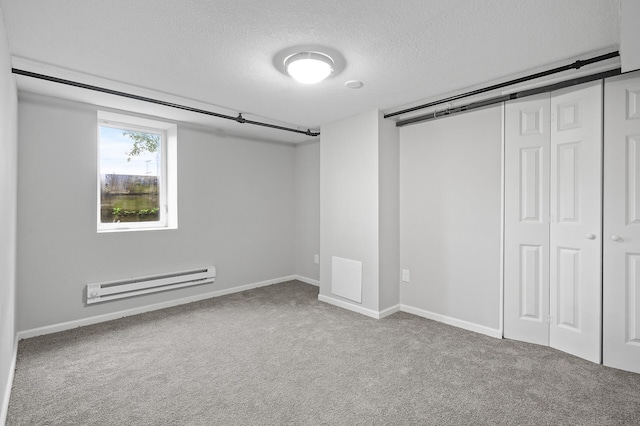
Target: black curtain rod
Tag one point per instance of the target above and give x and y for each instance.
(576, 65)
(239, 118)
(511, 96)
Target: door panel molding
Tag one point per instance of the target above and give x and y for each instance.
(621, 261)
(553, 222)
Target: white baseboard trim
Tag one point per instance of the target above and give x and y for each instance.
(492, 332)
(389, 311)
(359, 309)
(307, 280)
(4, 409)
(25, 334)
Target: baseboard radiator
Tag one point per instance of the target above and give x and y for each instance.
(111, 290)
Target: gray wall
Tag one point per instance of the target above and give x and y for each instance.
(389, 192)
(450, 209)
(235, 202)
(349, 201)
(629, 35)
(359, 209)
(8, 184)
(307, 212)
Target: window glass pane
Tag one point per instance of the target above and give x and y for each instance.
(130, 168)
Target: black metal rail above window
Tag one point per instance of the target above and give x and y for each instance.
(239, 118)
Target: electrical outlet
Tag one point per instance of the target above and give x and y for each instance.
(316, 259)
(406, 276)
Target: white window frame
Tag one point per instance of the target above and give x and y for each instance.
(168, 197)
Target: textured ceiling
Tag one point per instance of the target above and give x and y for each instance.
(222, 52)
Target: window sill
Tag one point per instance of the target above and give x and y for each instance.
(114, 230)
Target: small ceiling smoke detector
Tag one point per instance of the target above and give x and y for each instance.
(354, 84)
(309, 67)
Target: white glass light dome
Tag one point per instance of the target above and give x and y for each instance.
(309, 67)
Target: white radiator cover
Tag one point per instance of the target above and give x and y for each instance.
(128, 287)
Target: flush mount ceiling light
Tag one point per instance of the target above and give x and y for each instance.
(309, 67)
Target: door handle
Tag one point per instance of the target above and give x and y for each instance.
(590, 237)
(615, 238)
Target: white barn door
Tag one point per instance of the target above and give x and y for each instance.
(576, 221)
(621, 290)
(526, 246)
(553, 154)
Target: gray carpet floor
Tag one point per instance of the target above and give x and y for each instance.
(277, 356)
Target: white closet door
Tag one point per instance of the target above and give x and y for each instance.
(621, 289)
(575, 235)
(526, 246)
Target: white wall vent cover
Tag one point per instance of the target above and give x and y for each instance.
(346, 278)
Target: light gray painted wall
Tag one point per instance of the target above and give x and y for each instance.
(349, 201)
(629, 35)
(450, 204)
(8, 203)
(389, 161)
(307, 212)
(236, 211)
